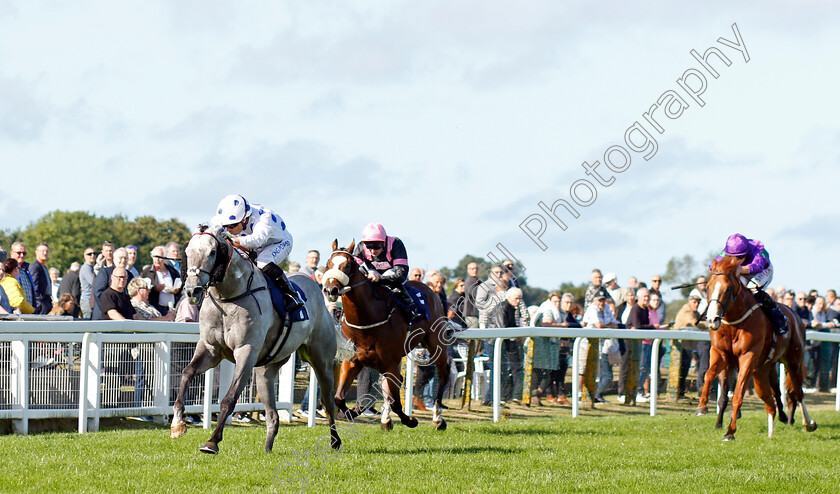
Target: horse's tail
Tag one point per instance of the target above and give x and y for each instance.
(345, 349)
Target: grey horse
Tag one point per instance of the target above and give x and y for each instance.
(238, 322)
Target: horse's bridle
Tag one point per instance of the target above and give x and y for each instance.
(343, 279)
(733, 279)
(217, 272)
(224, 256)
(340, 276)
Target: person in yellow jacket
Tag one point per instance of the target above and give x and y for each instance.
(17, 299)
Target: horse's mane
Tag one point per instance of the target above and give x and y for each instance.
(726, 265)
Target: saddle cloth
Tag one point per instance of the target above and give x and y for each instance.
(279, 302)
(419, 299)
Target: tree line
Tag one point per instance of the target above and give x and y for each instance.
(68, 233)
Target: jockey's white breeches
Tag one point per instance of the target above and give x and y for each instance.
(276, 253)
(758, 280)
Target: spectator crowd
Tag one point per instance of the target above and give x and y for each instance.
(105, 284)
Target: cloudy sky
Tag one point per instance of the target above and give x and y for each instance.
(448, 122)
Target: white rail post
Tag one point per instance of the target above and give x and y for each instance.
(93, 391)
(19, 381)
(782, 374)
(654, 376)
(837, 389)
(313, 397)
(497, 380)
(83, 377)
(409, 384)
(161, 386)
(208, 397)
(226, 369)
(576, 377)
(286, 390)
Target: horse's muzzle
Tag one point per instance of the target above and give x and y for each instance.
(714, 324)
(331, 293)
(195, 294)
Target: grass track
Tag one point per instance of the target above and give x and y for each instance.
(536, 451)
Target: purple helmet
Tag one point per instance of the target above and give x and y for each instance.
(736, 245)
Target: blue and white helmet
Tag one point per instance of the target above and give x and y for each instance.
(232, 209)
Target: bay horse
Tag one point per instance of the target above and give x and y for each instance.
(742, 337)
(382, 335)
(238, 322)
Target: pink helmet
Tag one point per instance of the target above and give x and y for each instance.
(736, 245)
(374, 232)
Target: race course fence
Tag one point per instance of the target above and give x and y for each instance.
(90, 370)
(94, 369)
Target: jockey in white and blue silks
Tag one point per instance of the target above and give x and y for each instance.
(756, 272)
(263, 231)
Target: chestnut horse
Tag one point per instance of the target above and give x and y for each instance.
(742, 336)
(382, 336)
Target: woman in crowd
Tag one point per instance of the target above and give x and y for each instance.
(138, 290)
(654, 304)
(573, 313)
(456, 303)
(10, 284)
(5, 305)
(65, 306)
(546, 351)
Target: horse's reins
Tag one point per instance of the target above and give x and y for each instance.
(340, 276)
(746, 315)
(214, 279)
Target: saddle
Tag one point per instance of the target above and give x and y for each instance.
(296, 315)
(419, 299)
(279, 302)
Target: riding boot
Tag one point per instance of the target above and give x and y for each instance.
(773, 312)
(410, 311)
(277, 275)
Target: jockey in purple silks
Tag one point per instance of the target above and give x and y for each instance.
(756, 272)
(383, 259)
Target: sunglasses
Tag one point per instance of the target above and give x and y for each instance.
(19, 253)
(90, 253)
(120, 277)
(376, 246)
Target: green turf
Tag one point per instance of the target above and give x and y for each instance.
(550, 452)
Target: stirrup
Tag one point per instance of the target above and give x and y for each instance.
(293, 302)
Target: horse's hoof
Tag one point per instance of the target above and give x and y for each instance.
(177, 430)
(387, 426)
(783, 417)
(811, 427)
(410, 422)
(719, 425)
(335, 443)
(729, 437)
(701, 411)
(441, 426)
(209, 448)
